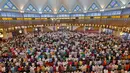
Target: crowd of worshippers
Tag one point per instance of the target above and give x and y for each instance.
(65, 52)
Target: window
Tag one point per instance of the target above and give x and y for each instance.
(47, 9)
(9, 14)
(3, 14)
(37, 15)
(9, 5)
(25, 15)
(77, 9)
(63, 9)
(32, 15)
(14, 14)
(93, 7)
(113, 4)
(30, 8)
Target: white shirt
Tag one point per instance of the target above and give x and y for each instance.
(3, 69)
(105, 71)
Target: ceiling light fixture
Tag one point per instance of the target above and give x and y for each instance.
(40, 12)
(123, 7)
(55, 12)
(22, 11)
(102, 10)
(69, 12)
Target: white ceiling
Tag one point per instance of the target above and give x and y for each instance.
(69, 4)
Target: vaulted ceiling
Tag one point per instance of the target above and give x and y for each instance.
(55, 5)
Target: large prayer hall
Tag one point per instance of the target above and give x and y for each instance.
(64, 36)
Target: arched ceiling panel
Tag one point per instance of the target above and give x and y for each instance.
(55, 4)
(63, 4)
(86, 4)
(103, 3)
(20, 3)
(69, 3)
(39, 4)
(124, 1)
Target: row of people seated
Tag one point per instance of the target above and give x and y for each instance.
(59, 52)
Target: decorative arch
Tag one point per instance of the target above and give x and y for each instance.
(62, 9)
(94, 6)
(9, 5)
(47, 9)
(77, 9)
(30, 8)
(113, 4)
